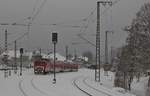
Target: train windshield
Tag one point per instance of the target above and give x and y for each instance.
(39, 63)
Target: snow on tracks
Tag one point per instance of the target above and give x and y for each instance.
(92, 88)
(75, 84)
(80, 83)
(28, 88)
(34, 86)
(100, 88)
(21, 88)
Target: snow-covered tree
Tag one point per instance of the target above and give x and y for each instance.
(135, 56)
(139, 37)
(125, 67)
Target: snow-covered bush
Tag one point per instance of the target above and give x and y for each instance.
(123, 91)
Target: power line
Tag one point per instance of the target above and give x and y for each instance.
(34, 8)
(38, 11)
(79, 35)
(33, 17)
(60, 25)
(87, 25)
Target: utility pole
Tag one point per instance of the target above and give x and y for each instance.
(54, 40)
(97, 68)
(6, 55)
(28, 33)
(106, 54)
(15, 55)
(54, 80)
(6, 44)
(75, 55)
(111, 55)
(66, 53)
(106, 47)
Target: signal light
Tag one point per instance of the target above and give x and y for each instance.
(54, 37)
(21, 50)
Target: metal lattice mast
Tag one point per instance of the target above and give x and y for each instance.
(6, 41)
(106, 47)
(6, 55)
(97, 70)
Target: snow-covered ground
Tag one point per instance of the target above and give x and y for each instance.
(42, 85)
(139, 88)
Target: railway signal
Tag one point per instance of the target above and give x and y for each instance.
(54, 37)
(54, 40)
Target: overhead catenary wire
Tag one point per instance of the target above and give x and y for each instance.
(38, 11)
(108, 8)
(34, 7)
(30, 18)
(85, 27)
(62, 24)
(86, 19)
(33, 11)
(33, 17)
(79, 35)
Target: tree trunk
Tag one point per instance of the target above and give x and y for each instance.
(147, 91)
(148, 88)
(149, 82)
(138, 77)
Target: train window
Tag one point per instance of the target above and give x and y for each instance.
(37, 62)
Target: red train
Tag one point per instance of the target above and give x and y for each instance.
(43, 66)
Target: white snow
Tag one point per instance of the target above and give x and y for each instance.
(139, 87)
(84, 58)
(11, 54)
(42, 85)
(58, 56)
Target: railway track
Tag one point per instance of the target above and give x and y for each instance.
(26, 92)
(29, 88)
(77, 86)
(84, 81)
(39, 90)
(21, 88)
(88, 90)
(110, 92)
(91, 89)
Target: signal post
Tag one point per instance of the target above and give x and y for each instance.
(21, 52)
(54, 40)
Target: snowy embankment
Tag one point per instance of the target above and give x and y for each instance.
(139, 88)
(88, 84)
(42, 85)
(105, 90)
(9, 86)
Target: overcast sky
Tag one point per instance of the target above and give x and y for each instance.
(65, 12)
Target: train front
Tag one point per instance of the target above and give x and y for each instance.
(40, 67)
